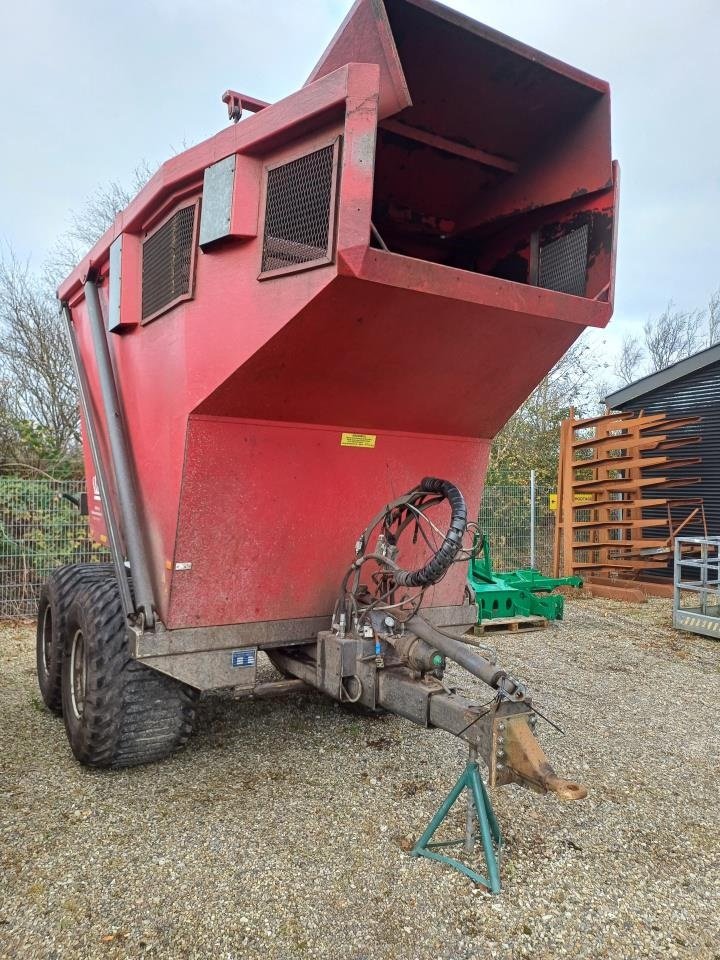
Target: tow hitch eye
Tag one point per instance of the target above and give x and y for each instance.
(524, 762)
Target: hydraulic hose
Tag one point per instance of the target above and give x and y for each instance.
(439, 563)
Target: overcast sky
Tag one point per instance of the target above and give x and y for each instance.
(89, 89)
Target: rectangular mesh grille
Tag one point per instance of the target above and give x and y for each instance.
(167, 262)
(563, 263)
(298, 211)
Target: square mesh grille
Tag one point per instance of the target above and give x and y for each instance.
(298, 211)
(167, 262)
(563, 263)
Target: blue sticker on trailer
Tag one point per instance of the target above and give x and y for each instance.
(243, 658)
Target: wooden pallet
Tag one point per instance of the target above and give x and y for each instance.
(509, 625)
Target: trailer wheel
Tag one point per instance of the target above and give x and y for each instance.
(118, 712)
(53, 606)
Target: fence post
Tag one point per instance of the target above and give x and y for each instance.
(532, 518)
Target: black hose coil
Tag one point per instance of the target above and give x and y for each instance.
(439, 563)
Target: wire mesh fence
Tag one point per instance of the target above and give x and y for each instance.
(41, 528)
(506, 517)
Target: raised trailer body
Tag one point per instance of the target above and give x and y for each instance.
(292, 323)
(240, 379)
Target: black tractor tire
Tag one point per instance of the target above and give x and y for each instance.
(117, 712)
(56, 597)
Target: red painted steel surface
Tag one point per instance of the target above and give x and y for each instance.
(235, 400)
(296, 501)
(397, 358)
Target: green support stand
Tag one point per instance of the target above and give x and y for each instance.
(480, 811)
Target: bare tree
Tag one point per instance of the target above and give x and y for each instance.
(39, 424)
(667, 338)
(629, 359)
(10, 442)
(91, 221)
(673, 335)
(712, 319)
(38, 385)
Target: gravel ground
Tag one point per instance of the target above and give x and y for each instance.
(280, 831)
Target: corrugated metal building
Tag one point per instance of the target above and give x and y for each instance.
(689, 388)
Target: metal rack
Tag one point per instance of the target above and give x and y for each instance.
(703, 616)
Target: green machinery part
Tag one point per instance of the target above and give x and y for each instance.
(518, 593)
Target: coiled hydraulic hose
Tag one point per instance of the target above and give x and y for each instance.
(439, 563)
(395, 517)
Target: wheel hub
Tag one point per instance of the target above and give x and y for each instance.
(46, 638)
(77, 674)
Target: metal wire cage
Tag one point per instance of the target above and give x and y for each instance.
(507, 516)
(696, 588)
(563, 263)
(40, 529)
(168, 262)
(299, 212)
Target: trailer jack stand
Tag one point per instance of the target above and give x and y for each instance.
(480, 813)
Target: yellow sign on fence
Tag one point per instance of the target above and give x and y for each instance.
(579, 498)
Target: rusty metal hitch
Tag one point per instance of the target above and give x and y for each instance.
(525, 763)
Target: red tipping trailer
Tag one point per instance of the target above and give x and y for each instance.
(299, 318)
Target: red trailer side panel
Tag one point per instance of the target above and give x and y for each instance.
(270, 513)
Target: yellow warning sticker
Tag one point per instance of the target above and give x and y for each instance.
(358, 440)
(552, 501)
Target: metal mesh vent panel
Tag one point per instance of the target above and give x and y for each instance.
(298, 211)
(563, 263)
(167, 262)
